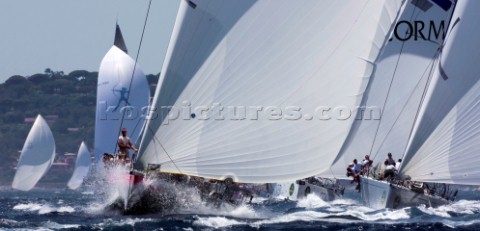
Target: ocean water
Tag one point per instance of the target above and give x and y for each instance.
(85, 209)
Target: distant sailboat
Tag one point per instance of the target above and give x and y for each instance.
(122, 97)
(37, 156)
(82, 166)
(251, 54)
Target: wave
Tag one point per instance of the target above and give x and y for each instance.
(43, 208)
(313, 209)
(217, 222)
(55, 225)
(124, 222)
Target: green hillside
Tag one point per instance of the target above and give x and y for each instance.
(66, 101)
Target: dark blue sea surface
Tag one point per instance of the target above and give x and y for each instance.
(62, 209)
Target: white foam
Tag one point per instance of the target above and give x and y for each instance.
(88, 192)
(28, 207)
(43, 208)
(123, 222)
(456, 224)
(464, 207)
(8, 222)
(216, 222)
(54, 225)
(312, 201)
(244, 211)
(287, 218)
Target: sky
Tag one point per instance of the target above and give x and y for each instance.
(67, 35)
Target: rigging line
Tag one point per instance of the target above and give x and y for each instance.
(134, 67)
(385, 102)
(384, 44)
(165, 150)
(388, 92)
(429, 67)
(131, 81)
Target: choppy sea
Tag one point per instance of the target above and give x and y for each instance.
(62, 209)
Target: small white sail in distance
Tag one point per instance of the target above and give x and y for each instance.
(37, 156)
(82, 166)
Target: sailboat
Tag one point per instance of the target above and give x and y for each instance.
(442, 145)
(123, 95)
(232, 67)
(82, 167)
(391, 99)
(37, 156)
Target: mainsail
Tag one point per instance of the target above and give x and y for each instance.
(445, 143)
(123, 95)
(390, 105)
(37, 156)
(82, 166)
(241, 76)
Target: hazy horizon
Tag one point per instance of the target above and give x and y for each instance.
(66, 35)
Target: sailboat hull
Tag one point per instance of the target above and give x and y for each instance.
(382, 194)
(302, 188)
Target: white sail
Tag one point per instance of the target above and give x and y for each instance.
(444, 147)
(123, 95)
(260, 57)
(82, 166)
(37, 156)
(394, 93)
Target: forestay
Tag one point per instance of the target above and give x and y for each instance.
(392, 99)
(37, 156)
(237, 71)
(444, 147)
(82, 166)
(122, 98)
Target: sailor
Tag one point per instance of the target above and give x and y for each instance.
(355, 169)
(349, 169)
(124, 143)
(390, 160)
(366, 164)
(397, 166)
(389, 172)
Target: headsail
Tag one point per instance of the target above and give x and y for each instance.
(37, 156)
(444, 147)
(393, 96)
(82, 166)
(122, 97)
(251, 60)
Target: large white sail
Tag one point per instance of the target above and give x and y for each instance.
(394, 93)
(82, 166)
(37, 156)
(260, 58)
(122, 97)
(444, 147)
